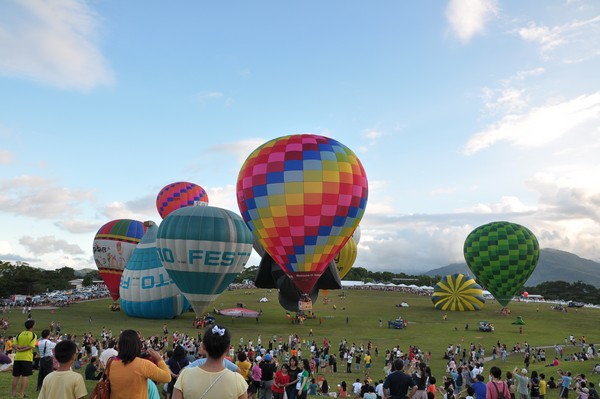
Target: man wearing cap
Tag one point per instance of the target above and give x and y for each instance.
(523, 381)
(268, 368)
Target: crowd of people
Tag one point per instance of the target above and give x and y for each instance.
(179, 365)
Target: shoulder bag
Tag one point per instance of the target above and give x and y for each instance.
(102, 388)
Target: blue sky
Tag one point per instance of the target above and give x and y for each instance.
(462, 112)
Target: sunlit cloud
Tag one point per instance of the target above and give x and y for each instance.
(579, 34)
(540, 126)
(240, 149)
(6, 157)
(468, 18)
(49, 244)
(54, 43)
(40, 198)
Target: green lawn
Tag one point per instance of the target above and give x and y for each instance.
(363, 309)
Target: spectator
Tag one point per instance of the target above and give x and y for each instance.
(64, 383)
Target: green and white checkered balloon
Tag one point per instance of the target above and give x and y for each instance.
(502, 255)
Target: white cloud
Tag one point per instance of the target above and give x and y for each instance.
(467, 18)
(40, 198)
(141, 209)
(240, 149)
(506, 205)
(206, 96)
(541, 125)
(223, 197)
(579, 35)
(53, 43)
(442, 191)
(504, 100)
(49, 244)
(5, 247)
(211, 95)
(77, 226)
(508, 97)
(372, 134)
(6, 157)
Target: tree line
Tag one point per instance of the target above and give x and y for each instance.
(27, 280)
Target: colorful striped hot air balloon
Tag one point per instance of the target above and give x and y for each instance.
(502, 255)
(302, 196)
(203, 248)
(113, 246)
(146, 289)
(178, 195)
(457, 292)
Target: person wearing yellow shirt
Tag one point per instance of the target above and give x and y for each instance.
(543, 385)
(368, 360)
(8, 345)
(23, 366)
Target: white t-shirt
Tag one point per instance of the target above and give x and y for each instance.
(107, 354)
(45, 347)
(379, 390)
(357, 385)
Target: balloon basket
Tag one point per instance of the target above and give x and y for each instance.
(505, 311)
(115, 307)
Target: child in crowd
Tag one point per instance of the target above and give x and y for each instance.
(64, 383)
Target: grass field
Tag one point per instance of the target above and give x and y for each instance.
(357, 320)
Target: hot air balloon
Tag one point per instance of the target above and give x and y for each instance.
(203, 248)
(302, 196)
(113, 245)
(146, 289)
(502, 255)
(346, 257)
(457, 292)
(178, 195)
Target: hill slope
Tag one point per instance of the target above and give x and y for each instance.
(554, 265)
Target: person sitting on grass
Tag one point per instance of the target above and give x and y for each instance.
(64, 383)
(91, 368)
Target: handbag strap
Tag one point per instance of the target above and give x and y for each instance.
(213, 383)
(106, 371)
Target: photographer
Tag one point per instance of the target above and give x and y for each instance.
(268, 369)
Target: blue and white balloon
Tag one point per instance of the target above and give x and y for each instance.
(146, 289)
(203, 249)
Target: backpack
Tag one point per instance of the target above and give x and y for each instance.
(459, 380)
(500, 394)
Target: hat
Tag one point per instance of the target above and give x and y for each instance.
(267, 357)
(523, 371)
(258, 358)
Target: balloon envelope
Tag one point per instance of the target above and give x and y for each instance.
(502, 255)
(178, 195)
(113, 245)
(457, 292)
(346, 258)
(146, 289)
(203, 248)
(302, 196)
(289, 295)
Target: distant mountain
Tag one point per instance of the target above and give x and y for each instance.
(82, 272)
(554, 265)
